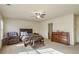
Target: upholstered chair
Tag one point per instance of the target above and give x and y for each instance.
(12, 38)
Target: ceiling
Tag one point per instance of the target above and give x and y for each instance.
(24, 11)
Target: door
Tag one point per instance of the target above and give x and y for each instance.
(50, 30)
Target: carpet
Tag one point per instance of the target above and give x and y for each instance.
(42, 51)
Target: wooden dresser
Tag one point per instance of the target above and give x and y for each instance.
(61, 37)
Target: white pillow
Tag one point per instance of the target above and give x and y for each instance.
(24, 38)
(24, 33)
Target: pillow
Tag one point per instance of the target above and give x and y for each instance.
(24, 33)
(24, 38)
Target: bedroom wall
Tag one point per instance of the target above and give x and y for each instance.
(64, 23)
(77, 28)
(13, 25)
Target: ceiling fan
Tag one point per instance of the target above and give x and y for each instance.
(39, 15)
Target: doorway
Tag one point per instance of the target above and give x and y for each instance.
(50, 30)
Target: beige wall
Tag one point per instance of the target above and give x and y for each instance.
(15, 24)
(63, 23)
(77, 28)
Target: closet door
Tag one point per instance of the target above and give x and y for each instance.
(50, 30)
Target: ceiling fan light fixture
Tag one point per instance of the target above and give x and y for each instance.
(39, 14)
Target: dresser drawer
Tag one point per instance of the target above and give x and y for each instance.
(62, 37)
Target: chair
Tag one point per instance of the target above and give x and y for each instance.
(12, 38)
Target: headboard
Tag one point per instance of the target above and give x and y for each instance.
(26, 30)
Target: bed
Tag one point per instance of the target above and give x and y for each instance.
(24, 33)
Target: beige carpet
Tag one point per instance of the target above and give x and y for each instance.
(49, 48)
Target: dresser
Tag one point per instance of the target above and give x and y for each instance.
(60, 37)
